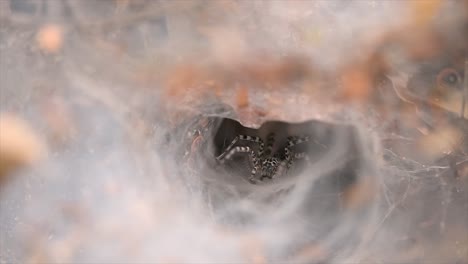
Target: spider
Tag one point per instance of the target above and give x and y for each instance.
(265, 164)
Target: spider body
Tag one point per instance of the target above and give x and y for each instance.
(265, 165)
(269, 167)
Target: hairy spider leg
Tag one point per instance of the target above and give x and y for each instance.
(289, 156)
(301, 155)
(252, 156)
(245, 138)
(280, 170)
(269, 144)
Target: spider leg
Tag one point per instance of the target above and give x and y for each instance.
(253, 159)
(258, 140)
(240, 149)
(232, 152)
(290, 157)
(270, 143)
(301, 155)
(281, 169)
(292, 141)
(296, 156)
(255, 166)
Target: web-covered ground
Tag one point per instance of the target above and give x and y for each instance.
(112, 114)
